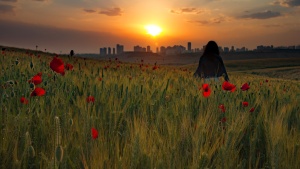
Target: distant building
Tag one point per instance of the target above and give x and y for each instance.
(114, 51)
(232, 49)
(138, 49)
(162, 50)
(148, 49)
(120, 49)
(177, 49)
(220, 49)
(189, 44)
(157, 51)
(226, 49)
(109, 50)
(103, 51)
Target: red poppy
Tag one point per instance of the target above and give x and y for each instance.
(38, 92)
(206, 90)
(130, 77)
(252, 109)
(228, 86)
(154, 67)
(94, 133)
(267, 80)
(223, 120)
(142, 60)
(37, 79)
(23, 100)
(90, 99)
(245, 87)
(116, 59)
(245, 104)
(69, 66)
(57, 65)
(100, 79)
(130, 66)
(222, 107)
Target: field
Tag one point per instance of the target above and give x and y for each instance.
(110, 114)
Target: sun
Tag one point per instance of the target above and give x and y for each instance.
(153, 30)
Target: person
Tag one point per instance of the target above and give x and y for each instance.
(211, 65)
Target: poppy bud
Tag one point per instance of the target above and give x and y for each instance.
(31, 65)
(31, 86)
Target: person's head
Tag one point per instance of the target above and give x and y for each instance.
(211, 48)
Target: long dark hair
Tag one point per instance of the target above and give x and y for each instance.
(211, 48)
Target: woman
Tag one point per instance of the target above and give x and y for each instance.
(211, 64)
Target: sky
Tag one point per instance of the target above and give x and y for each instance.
(86, 25)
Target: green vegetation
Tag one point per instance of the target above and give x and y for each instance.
(145, 118)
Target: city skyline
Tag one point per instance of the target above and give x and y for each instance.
(84, 25)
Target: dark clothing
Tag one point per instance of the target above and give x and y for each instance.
(210, 66)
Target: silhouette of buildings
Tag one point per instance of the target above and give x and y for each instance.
(148, 49)
(139, 49)
(189, 44)
(120, 49)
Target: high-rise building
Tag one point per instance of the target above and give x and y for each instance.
(120, 49)
(162, 50)
(232, 49)
(103, 51)
(109, 50)
(157, 51)
(189, 46)
(114, 51)
(148, 49)
(226, 49)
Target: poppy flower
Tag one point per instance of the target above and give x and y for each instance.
(94, 133)
(252, 109)
(23, 100)
(142, 60)
(222, 107)
(223, 120)
(154, 67)
(245, 87)
(38, 92)
(267, 80)
(228, 86)
(57, 65)
(206, 90)
(90, 99)
(100, 79)
(69, 66)
(37, 79)
(245, 104)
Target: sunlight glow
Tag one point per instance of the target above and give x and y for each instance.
(153, 30)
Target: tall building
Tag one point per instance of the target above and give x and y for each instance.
(120, 49)
(162, 50)
(232, 49)
(226, 49)
(189, 46)
(148, 49)
(138, 49)
(157, 51)
(114, 51)
(103, 51)
(109, 50)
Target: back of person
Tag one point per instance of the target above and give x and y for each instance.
(211, 64)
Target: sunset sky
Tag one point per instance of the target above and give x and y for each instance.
(87, 25)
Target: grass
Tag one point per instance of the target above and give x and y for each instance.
(145, 118)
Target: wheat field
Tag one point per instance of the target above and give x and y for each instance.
(145, 116)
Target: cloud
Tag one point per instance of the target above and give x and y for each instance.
(89, 10)
(112, 12)
(287, 3)
(7, 9)
(9, 0)
(212, 21)
(262, 15)
(186, 11)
